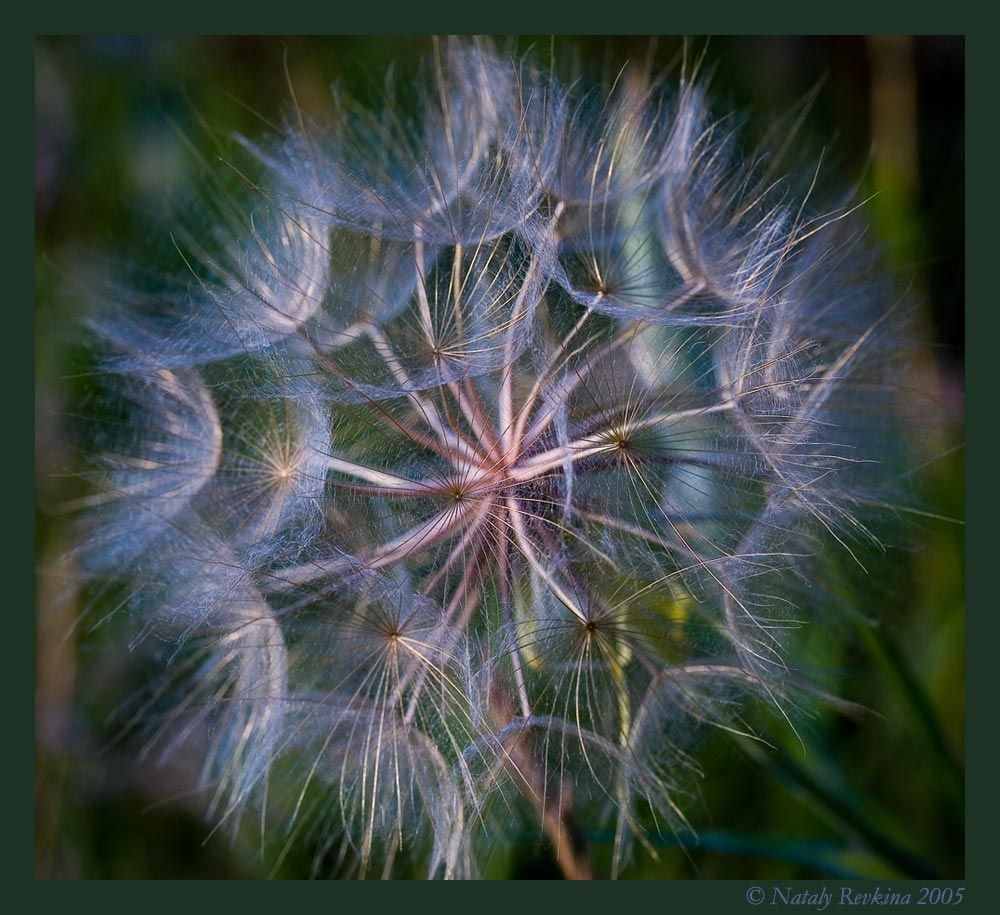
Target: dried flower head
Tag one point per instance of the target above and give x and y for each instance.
(483, 453)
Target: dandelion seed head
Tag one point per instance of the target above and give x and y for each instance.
(476, 460)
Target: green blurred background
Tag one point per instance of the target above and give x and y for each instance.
(878, 794)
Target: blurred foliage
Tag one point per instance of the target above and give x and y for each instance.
(875, 793)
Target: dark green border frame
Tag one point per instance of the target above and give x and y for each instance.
(228, 18)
